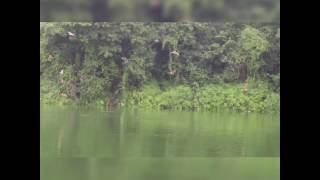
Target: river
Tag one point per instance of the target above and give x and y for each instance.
(92, 144)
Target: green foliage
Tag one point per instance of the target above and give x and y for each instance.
(275, 82)
(245, 54)
(213, 97)
(109, 61)
(253, 43)
(195, 74)
(50, 94)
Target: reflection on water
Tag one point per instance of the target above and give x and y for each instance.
(93, 144)
(160, 169)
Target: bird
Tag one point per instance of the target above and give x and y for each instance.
(61, 72)
(125, 60)
(71, 34)
(82, 78)
(172, 72)
(175, 53)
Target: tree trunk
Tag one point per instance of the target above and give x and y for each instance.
(243, 72)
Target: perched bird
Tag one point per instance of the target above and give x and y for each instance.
(125, 60)
(71, 34)
(50, 57)
(173, 72)
(63, 95)
(82, 78)
(175, 53)
(61, 72)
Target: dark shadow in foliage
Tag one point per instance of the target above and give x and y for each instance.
(74, 54)
(271, 66)
(161, 60)
(121, 60)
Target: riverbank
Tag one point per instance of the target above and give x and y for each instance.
(241, 97)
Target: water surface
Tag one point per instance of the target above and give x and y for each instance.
(92, 144)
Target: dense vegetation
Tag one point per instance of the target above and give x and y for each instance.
(184, 66)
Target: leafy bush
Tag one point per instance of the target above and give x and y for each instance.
(258, 98)
(106, 62)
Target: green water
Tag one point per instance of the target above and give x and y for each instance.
(92, 144)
